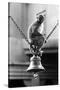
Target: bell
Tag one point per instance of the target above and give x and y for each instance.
(35, 64)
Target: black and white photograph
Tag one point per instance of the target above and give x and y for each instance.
(32, 44)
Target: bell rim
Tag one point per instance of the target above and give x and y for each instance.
(35, 69)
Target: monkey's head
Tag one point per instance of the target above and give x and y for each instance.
(40, 19)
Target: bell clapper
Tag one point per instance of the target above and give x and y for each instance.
(35, 75)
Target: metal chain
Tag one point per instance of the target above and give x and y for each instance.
(24, 34)
(19, 29)
(52, 31)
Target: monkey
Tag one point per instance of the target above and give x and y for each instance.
(35, 36)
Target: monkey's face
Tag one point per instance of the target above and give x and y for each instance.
(40, 19)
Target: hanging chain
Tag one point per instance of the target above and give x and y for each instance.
(24, 34)
(52, 31)
(19, 29)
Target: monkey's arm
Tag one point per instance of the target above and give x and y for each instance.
(29, 33)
